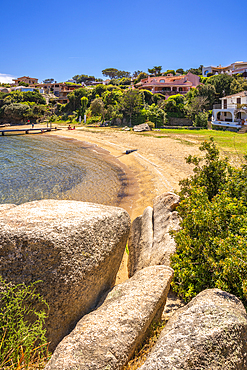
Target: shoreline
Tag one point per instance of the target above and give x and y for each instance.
(156, 167)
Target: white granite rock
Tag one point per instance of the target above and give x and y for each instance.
(75, 248)
(107, 337)
(210, 333)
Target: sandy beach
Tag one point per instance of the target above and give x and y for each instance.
(156, 167)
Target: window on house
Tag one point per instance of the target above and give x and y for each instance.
(238, 100)
(225, 103)
(162, 80)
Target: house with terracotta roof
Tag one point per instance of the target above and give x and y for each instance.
(169, 85)
(232, 113)
(60, 90)
(26, 79)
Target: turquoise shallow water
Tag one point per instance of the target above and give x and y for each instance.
(34, 167)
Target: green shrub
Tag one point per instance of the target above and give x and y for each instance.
(212, 243)
(201, 120)
(93, 119)
(22, 333)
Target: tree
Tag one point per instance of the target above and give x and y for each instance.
(83, 78)
(201, 119)
(22, 83)
(125, 81)
(17, 112)
(48, 81)
(210, 171)
(196, 106)
(196, 71)
(154, 114)
(131, 103)
(147, 96)
(180, 71)
(174, 106)
(37, 111)
(98, 108)
(123, 74)
(237, 85)
(141, 76)
(170, 71)
(222, 84)
(115, 73)
(75, 99)
(84, 103)
(135, 74)
(110, 72)
(112, 97)
(24, 96)
(156, 70)
(209, 92)
(98, 90)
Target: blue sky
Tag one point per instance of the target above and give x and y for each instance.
(59, 39)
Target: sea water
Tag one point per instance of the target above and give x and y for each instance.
(34, 167)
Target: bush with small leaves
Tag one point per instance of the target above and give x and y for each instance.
(212, 242)
(22, 332)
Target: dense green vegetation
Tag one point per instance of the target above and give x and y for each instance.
(111, 102)
(113, 99)
(22, 333)
(18, 106)
(212, 243)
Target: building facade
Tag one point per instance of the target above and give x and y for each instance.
(169, 85)
(28, 80)
(233, 111)
(232, 69)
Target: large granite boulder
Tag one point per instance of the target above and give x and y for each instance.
(150, 242)
(140, 242)
(107, 337)
(210, 333)
(165, 219)
(75, 248)
(141, 127)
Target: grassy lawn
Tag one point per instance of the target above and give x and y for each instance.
(231, 143)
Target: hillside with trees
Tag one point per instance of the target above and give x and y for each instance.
(120, 102)
(111, 99)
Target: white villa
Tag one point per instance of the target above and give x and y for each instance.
(232, 69)
(233, 112)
